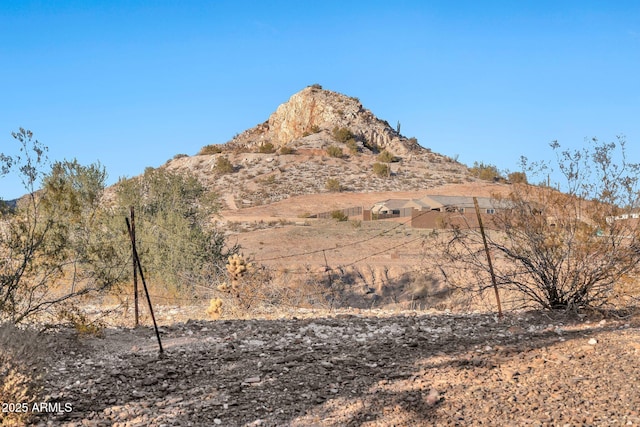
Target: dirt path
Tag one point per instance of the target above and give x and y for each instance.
(354, 370)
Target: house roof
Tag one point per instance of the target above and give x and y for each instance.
(435, 202)
(389, 204)
(438, 202)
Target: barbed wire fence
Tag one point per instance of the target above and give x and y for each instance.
(322, 284)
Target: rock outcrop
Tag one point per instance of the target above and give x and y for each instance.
(314, 110)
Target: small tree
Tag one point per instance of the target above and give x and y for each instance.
(180, 246)
(56, 244)
(560, 249)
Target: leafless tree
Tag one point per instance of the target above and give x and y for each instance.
(557, 249)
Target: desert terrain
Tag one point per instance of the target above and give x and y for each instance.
(351, 368)
(345, 325)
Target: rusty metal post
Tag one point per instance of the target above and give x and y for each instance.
(486, 249)
(146, 290)
(135, 268)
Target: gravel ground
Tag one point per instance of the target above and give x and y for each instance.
(373, 369)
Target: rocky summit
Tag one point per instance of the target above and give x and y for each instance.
(313, 111)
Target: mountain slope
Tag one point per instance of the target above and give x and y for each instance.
(317, 142)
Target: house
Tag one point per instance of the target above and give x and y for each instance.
(461, 204)
(430, 211)
(392, 207)
(460, 211)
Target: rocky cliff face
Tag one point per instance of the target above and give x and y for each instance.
(317, 111)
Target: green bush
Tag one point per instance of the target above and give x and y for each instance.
(517, 178)
(223, 166)
(210, 149)
(56, 245)
(381, 169)
(334, 185)
(180, 247)
(352, 145)
(266, 148)
(287, 150)
(342, 134)
(386, 157)
(339, 216)
(335, 151)
(486, 172)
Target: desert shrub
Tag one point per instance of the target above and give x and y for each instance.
(335, 151)
(484, 171)
(179, 156)
(21, 371)
(559, 249)
(223, 166)
(453, 159)
(386, 157)
(73, 316)
(178, 244)
(517, 178)
(266, 148)
(352, 145)
(333, 185)
(285, 149)
(381, 169)
(246, 290)
(339, 216)
(268, 180)
(316, 86)
(210, 149)
(342, 134)
(56, 243)
(214, 310)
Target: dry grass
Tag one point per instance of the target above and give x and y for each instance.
(21, 370)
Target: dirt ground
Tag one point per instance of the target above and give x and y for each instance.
(348, 367)
(352, 368)
(297, 206)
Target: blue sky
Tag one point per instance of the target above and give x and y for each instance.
(132, 83)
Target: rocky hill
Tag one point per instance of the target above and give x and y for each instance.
(317, 142)
(315, 110)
